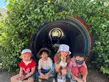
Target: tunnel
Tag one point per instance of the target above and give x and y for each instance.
(72, 31)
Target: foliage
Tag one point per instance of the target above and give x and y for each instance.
(25, 17)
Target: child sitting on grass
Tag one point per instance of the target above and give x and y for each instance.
(78, 68)
(27, 68)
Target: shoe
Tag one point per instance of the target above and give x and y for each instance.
(64, 78)
(59, 76)
(72, 80)
(39, 80)
(61, 79)
(53, 80)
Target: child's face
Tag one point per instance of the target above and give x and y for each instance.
(63, 53)
(26, 57)
(44, 56)
(79, 60)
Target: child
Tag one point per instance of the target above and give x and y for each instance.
(78, 68)
(44, 65)
(61, 60)
(27, 68)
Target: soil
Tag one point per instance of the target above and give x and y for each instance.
(93, 76)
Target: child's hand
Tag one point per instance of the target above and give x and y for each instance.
(46, 76)
(42, 75)
(84, 79)
(21, 77)
(80, 80)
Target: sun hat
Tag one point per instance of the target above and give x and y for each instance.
(64, 47)
(43, 50)
(26, 51)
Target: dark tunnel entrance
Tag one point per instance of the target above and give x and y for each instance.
(68, 31)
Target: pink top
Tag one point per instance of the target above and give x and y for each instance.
(74, 64)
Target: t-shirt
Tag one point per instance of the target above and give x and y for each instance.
(45, 64)
(74, 64)
(27, 68)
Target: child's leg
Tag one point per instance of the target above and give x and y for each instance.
(30, 79)
(83, 71)
(75, 71)
(50, 75)
(15, 78)
(57, 68)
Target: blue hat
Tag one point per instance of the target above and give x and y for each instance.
(64, 47)
(26, 51)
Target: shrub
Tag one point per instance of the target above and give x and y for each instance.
(24, 18)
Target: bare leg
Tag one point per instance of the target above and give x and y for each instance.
(30, 79)
(57, 68)
(15, 78)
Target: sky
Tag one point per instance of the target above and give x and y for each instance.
(2, 4)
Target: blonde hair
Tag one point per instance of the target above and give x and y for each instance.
(58, 54)
(23, 55)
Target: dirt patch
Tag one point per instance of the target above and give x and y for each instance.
(4, 76)
(93, 76)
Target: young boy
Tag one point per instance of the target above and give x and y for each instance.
(78, 68)
(27, 68)
(44, 65)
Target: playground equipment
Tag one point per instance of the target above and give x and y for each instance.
(71, 31)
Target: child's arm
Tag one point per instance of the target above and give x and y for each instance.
(50, 65)
(85, 76)
(21, 76)
(32, 72)
(39, 70)
(21, 71)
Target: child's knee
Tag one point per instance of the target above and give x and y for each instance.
(30, 79)
(13, 78)
(57, 69)
(75, 70)
(83, 70)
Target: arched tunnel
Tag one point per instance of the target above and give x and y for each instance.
(70, 31)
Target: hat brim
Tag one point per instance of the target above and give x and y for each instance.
(45, 50)
(65, 51)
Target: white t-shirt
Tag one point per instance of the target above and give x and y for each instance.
(45, 64)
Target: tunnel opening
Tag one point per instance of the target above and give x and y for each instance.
(70, 31)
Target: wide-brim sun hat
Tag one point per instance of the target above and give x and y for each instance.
(26, 51)
(64, 47)
(43, 50)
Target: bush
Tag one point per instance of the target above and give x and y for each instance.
(24, 18)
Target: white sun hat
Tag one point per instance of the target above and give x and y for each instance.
(64, 47)
(26, 51)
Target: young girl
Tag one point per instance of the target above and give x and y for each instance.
(78, 68)
(27, 68)
(44, 65)
(61, 60)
